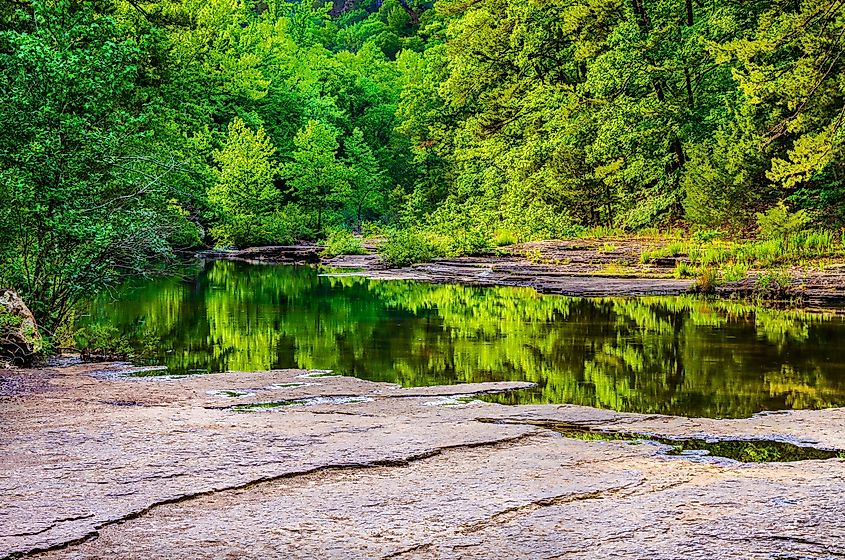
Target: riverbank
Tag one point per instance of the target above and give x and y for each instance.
(99, 465)
(584, 267)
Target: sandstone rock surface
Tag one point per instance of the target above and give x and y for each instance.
(96, 465)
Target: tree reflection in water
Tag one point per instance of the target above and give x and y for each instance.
(673, 355)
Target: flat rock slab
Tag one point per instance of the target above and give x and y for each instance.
(96, 465)
(583, 277)
(607, 267)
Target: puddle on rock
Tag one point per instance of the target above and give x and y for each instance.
(452, 400)
(274, 386)
(307, 401)
(231, 393)
(123, 370)
(319, 373)
(741, 450)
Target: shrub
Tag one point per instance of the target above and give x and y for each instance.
(342, 242)
(405, 247)
(705, 235)
(734, 272)
(372, 229)
(102, 342)
(684, 270)
(707, 280)
(285, 227)
(183, 233)
(780, 223)
(470, 241)
(504, 237)
(282, 227)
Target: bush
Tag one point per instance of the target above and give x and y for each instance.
(780, 223)
(406, 247)
(342, 242)
(470, 241)
(503, 237)
(734, 272)
(283, 227)
(183, 233)
(286, 227)
(102, 342)
(705, 235)
(372, 229)
(684, 270)
(706, 281)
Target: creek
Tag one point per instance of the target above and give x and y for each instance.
(672, 355)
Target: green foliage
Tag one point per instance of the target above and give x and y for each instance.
(130, 128)
(365, 181)
(734, 272)
(705, 235)
(780, 223)
(8, 321)
(315, 175)
(466, 241)
(502, 238)
(102, 342)
(772, 283)
(184, 233)
(406, 247)
(707, 280)
(342, 242)
(85, 181)
(244, 194)
(684, 270)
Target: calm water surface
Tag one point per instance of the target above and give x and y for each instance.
(674, 355)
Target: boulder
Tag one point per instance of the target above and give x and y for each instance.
(19, 337)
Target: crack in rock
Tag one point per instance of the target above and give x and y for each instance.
(380, 463)
(508, 514)
(415, 548)
(53, 525)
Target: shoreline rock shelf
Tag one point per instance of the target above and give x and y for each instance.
(160, 468)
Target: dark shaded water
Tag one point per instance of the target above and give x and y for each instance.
(674, 355)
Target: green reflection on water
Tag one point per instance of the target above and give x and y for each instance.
(673, 355)
(745, 451)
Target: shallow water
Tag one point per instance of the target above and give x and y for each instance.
(673, 355)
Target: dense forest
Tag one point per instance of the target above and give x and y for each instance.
(131, 128)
